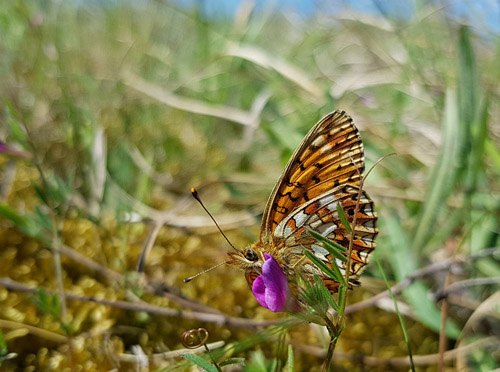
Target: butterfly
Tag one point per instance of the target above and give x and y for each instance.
(324, 171)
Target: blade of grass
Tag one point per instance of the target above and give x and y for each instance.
(401, 321)
(442, 177)
(403, 263)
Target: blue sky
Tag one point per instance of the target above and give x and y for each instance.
(479, 12)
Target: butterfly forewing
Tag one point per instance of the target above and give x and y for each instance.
(329, 156)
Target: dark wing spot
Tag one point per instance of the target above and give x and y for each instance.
(306, 198)
(339, 167)
(289, 194)
(301, 165)
(316, 179)
(318, 165)
(336, 183)
(350, 212)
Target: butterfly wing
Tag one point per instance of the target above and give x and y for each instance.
(321, 215)
(324, 172)
(330, 155)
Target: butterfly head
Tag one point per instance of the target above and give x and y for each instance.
(247, 259)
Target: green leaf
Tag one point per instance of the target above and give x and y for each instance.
(3, 345)
(343, 217)
(332, 247)
(48, 303)
(26, 224)
(493, 152)
(318, 304)
(478, 138)
(325, 293)
(335, 273)
(16, 131)
(232, 361)
(12, 215)
(468, 85)
(342, 294)
(291, 362)
(200, 362)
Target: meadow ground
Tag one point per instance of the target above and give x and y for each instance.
(111, 111)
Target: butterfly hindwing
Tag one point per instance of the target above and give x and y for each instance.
(321, 215)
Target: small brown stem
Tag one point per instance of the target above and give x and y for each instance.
(329, 354)
(442, 334)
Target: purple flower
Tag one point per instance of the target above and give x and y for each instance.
(271, 289)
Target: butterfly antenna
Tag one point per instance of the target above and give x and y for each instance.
(187, 280)
(197, 197)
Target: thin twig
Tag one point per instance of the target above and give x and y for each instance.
(442, 332)
(148, 245)
(220, 319)
(430, 269)
(76, 256)
(460, 286)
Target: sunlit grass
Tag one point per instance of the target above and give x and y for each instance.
(115, 110)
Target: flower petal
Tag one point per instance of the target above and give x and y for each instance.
(271, 288)
(277, 288)
(259, 291)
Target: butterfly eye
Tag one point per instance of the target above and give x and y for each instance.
(251, 255)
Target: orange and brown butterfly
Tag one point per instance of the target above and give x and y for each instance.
(325, 171)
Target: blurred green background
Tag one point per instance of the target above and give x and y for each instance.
(112, 110)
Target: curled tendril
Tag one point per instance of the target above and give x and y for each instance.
(194, 338)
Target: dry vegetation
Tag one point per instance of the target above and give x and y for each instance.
(112, 110)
